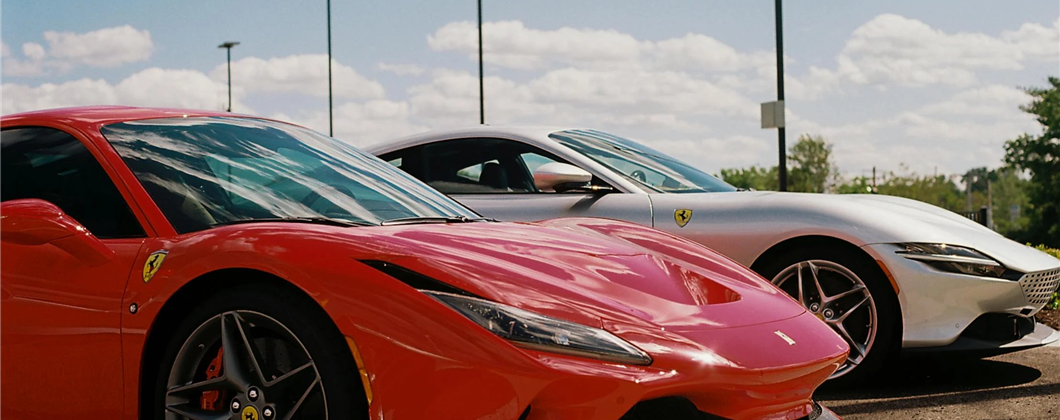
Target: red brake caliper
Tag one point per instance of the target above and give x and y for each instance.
(209, 398)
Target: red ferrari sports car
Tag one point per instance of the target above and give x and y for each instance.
(170, 264)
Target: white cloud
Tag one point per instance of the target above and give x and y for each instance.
(966, 130)
(301, 74)
(511, 44)
(1036, 41)
(362, 124)
(110, 47)
(150, 87)
(892, 49)
(401, 69)
(701, 52)
(33, 51)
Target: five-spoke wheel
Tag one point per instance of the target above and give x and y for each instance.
(265, 372)
(838, 297)
(846, 290)
(258, 355)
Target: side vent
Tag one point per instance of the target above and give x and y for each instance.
(413, 279)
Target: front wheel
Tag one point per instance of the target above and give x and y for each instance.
(849, 295)
(257, 356)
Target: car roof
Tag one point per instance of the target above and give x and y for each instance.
(537, 133)
(103, 115)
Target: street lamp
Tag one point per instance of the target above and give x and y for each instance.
(481, 88)
(783, 168)
(228, 46)
(331, 102)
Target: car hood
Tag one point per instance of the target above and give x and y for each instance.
(579, 274)
(862, 219)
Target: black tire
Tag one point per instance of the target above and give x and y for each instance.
(339, 389)
(887, 333)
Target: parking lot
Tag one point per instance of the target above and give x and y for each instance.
(1023, 385)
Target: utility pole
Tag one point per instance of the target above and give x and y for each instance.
(331, 119)
(783, 164)
(228, 46)
(874, 180)
(481, 86)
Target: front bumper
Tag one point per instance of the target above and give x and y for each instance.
(937, 307)
(730, 373)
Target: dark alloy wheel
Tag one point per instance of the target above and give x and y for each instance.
(243, 363)
(850, 295)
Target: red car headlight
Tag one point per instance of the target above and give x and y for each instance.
(539, 332)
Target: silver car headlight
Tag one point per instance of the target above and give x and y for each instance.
(539, 332)
(957, 259)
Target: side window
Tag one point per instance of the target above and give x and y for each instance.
(49, 164)
(477, 166)
(534, 160)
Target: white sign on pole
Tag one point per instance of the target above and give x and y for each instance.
(773, 114)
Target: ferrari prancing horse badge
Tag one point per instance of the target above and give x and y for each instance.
(154, 261)
(682, 216)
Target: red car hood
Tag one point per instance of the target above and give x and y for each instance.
(576, 272)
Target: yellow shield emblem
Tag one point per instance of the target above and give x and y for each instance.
(154, 261)
(682, 216)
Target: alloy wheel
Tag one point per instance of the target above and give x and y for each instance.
(244, 365)
(837, 296)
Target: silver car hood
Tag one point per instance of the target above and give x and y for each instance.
(861, 219)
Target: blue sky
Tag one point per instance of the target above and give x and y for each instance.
(898, 84)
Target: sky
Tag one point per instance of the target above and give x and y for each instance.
(903, 86)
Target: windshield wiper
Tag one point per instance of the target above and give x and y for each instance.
(308, 219)
(423, 220)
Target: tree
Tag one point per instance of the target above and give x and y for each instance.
(1039, 156)
(1010, 204)
(758, 178)
(812, 168)
(938, 190)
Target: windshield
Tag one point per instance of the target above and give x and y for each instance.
(646, 167)
(208, 171)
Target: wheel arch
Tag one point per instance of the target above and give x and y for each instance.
(828, 242)
(184, 300)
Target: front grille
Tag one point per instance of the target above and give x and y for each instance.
(1039, 287)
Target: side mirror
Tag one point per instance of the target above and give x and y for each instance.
(38, 222)
(551, 175)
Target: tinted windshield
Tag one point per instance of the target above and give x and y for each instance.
(646, 167)
(206, 171)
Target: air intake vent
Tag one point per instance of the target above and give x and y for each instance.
(415, 280)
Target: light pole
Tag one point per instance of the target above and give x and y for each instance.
(331, 121)
(481, 89)
(228, 46)
(783, 164)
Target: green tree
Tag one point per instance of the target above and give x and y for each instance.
(810, 169)
(858, 185)
(1039, 156)
(811, 164)
(1010, 202)
(938, 190)
(758, 178)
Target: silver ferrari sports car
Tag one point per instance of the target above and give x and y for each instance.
(888, 274)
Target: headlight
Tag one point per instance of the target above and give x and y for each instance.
(957, 259)
(539, 332)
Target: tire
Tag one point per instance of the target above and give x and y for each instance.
(871, 328)
(304, 366)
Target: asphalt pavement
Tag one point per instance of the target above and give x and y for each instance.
(1023, 385)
